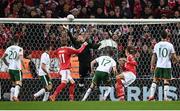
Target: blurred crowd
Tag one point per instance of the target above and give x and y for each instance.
(90, 8)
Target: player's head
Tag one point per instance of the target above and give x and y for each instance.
(64, 41)
(81, 37)
(48, 47)
(164, 34)
(15, 41)
(130, 51)
(107, 51)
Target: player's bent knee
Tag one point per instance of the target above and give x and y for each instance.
(72, 81)
(155, 80)
(92, 85)
(18, 83)
(49, 87)
(64, 81)
(166, 81)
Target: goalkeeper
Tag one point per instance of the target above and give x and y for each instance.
(84, 57)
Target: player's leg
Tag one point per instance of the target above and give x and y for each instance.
(72, 87)
(13, 85)
(43, 90)
(119, 87)
(167, 78)
(61, 86)
(93, 84)
(47, 93)
(83, 71)
(127, 78)
(18, 82)
(156, 77)
(12, 91)
(107, 81)
(48, 86)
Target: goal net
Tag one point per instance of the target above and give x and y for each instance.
(143, 34)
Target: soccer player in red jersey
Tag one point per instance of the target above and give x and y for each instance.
(128, 75)
(64, 54)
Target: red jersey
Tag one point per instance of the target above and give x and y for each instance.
(130, 64)
(64, 54)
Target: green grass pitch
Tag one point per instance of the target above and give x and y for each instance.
(91, 105)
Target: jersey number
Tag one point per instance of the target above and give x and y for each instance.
(13, 55)
(163, 52)
(105, 62)
(62, 59)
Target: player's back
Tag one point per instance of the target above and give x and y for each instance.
(130, 64)
(163, 51)
(13, 57)
(45, 59)
(105, 63)
(64, 58)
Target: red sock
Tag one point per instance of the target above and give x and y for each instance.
(119, 88)
(59, 89)
(71, 91)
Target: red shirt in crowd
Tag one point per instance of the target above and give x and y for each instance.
(64, 54)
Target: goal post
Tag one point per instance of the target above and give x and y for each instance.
(143, 34)
(87, 21)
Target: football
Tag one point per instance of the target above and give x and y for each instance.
(70, 17)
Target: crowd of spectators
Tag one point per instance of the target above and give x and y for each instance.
(90, 8)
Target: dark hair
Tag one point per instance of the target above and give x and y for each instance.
(64, 42)
(47, 46)
(164, 34)
(107, 51)
(131, 50)
(14, 40)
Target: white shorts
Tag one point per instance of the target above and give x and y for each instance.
(66, 75)
(129, 78)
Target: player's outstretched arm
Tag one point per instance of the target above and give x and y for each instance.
(77, 51)
(174, 58)
(4, 59)
(92, 66)
(153, 60)
(115, 72)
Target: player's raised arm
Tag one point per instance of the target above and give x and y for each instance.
(77, 51)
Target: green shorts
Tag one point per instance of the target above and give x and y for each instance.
(16, 75)
(46, 80)
(163, 73)
(100, 76)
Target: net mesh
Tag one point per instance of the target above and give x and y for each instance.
(34, 36)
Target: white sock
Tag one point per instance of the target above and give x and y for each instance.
(46, 96)
(40, 92)
(108, 90)
(87, 94)
(166, 89)
(12, 93)
(16, 91)
(152, 89)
